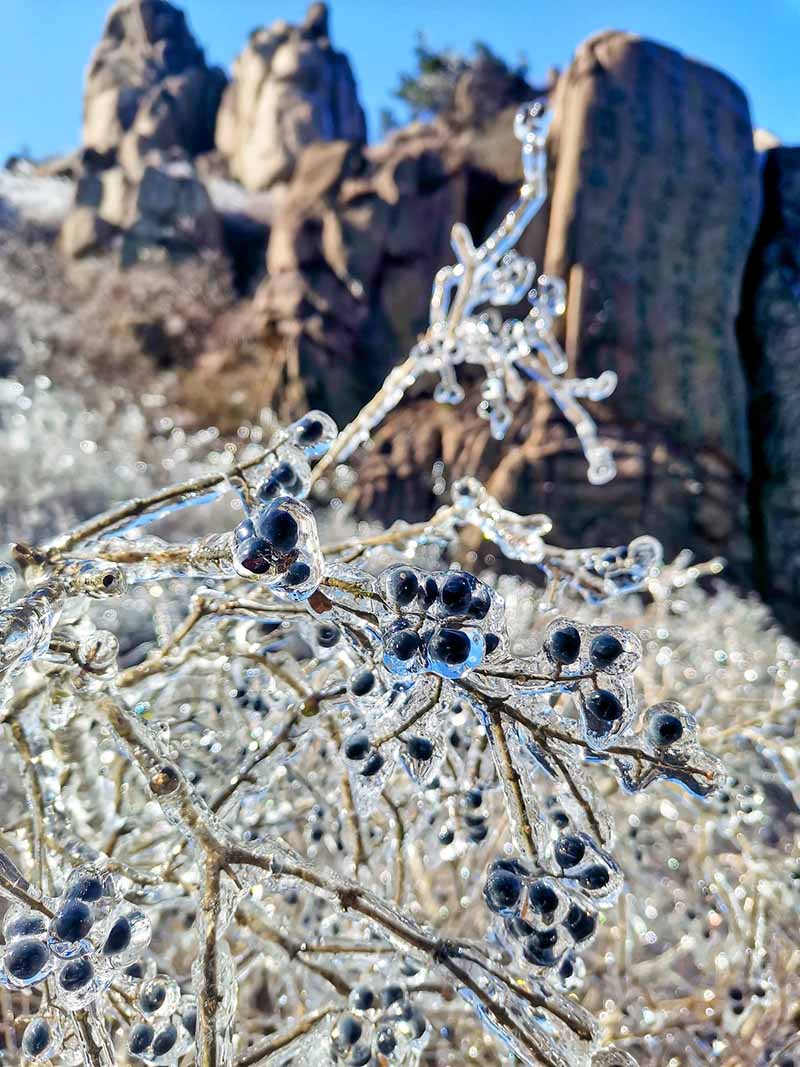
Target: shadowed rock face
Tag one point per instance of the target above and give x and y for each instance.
(769, 328)
(290, 88)
(148, 85)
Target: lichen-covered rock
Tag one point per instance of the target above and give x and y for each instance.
(290, 88)
(148, 85)
(769, 328)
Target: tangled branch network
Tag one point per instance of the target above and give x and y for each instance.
(312, 799)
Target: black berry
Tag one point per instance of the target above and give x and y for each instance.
(450, 646)
(502, 891)
(420, 748)
(279, 529)
(254, 555)
(580, 924)
(564, 645)
(595, 877)
(391, 994)
(403, 586)
(357, 746)
(73, 921)
(348, 1031)
(165, 1040)
(119, 937)
(456, 594)
(25, 959)
(26, 926)
(543, 898)
(140, 1039)
(540, 948)
(36, 1037)
(75, 975)
(89, 889)
(403, 645)
(362, 683)
(604, 650)
(385, 1041)
(298, 573)
(309, 431)
(604, 705)
(569, 851)
(152, 998)
(373, 765)
(328, 635)
(363, 998)
(665, 729)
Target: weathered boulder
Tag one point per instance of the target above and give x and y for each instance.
(172, 213)
(654, 206)
(769, 329)
(148, 85)
(290, 88)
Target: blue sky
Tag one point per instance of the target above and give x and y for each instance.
(47, 43)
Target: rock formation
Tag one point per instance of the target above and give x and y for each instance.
(148, 86)
(150, 107)
(769, 326)
(290, 88)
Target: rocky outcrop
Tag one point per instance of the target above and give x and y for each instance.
(290, 88)
(150, 107)
(148, 86)
(769, 328)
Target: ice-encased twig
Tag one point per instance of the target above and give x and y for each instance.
(493, 274)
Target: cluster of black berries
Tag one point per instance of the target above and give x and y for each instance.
(379, 1026)
(166, 1029)
(578, 654)
(446, 623)
(621, 569)
(278, 544)
(289, 477)
(91, 936)
(470, 816)
(322, 821)
(549, 914)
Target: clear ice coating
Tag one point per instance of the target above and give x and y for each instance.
(27, 625)
(278, 545)
(285, 796)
